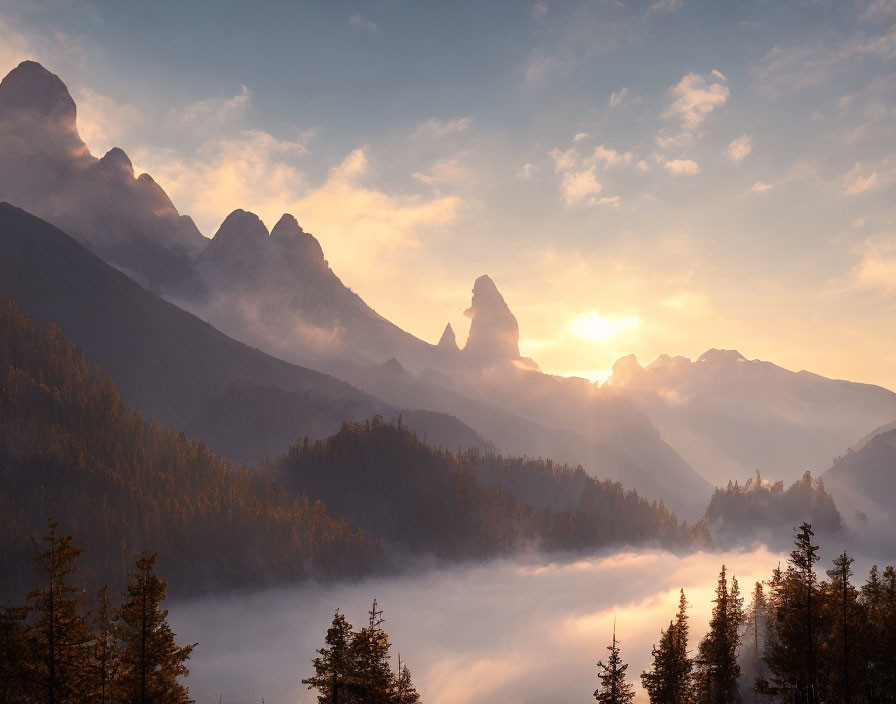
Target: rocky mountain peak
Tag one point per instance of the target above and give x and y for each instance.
(31, 89)
(115, 158)
(448, 341)
(302, 245)
(494, 332)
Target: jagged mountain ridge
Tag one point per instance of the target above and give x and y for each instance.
(46, 168)
(169, 362)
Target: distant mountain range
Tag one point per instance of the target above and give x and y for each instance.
(671, 430)
(729, 416)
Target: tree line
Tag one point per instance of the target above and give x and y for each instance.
(801, 640)
(68, 646)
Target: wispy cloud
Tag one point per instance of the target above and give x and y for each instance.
(213, 111)
(738, 149)
(617, 96)
(364, 25)
(662, 6)
(576, 186)
(435, 128)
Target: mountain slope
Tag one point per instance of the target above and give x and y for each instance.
(175, 366)
(72, 450)
(863, 483)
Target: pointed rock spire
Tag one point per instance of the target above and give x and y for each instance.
(448, 341)
(241, 227)
(494, 333)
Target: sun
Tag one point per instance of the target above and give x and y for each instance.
(594, 327)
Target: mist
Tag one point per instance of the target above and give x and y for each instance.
(527, 630)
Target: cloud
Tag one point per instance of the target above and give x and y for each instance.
(760, 187)
(216, 111)
(540, 65)
(687, 302)
(610, 157)
(451, 170)
(437, 129)
(364, 25)
(878, 10)
(564, 160)
(662, 6)
(739, 148)
(857, 181)
(528, 171)
(616, 97)
(876, 272)
(539, 10)
(694, 98)
(674, 141)
(682, 167)
(578, 185)
(104, 123)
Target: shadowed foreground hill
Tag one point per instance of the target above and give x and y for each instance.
(382, 478)
(71, 449)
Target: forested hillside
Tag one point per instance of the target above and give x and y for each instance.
(72, 450)
(384, 479)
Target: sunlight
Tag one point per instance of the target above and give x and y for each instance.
(595, 327)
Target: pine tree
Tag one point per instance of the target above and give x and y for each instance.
(371, 656)
(150, 661)
(57, 648)
(757, 616)
(334, 673)
(717, 666)
(845, 594)
(668, 681)
(104, 659)
(405, 692)
(613, 688)
(803, 558)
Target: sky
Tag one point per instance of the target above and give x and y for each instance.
(637, 177)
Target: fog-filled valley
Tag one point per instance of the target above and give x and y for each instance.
(225, 477)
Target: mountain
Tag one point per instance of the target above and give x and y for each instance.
(73, 451)
(170, 363)
(863, 483)
(47, 169)
(275, 291)
(728, 416)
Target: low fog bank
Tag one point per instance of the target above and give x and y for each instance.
(505, 631)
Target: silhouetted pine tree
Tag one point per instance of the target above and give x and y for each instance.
(57, 650)
(794, 597)
(717, 666)
(613, 687)
(150, 660)
(371, 656)
(878, 657)
(756, 619)
(405, 692)
(668, 681)
(104, 660)
(842, 597)
(334, 671)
